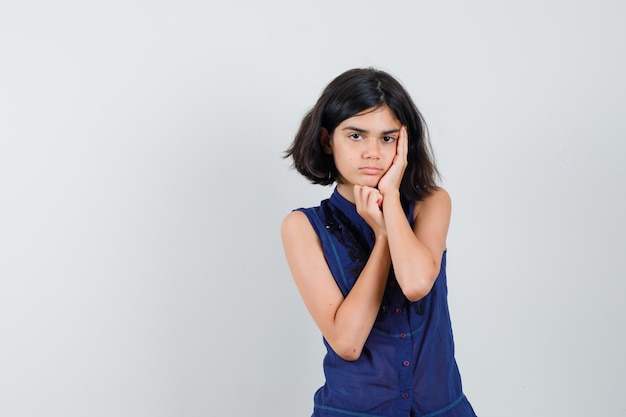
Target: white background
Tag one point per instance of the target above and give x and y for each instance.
(142, 190)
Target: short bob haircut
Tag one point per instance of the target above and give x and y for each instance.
(347, 95)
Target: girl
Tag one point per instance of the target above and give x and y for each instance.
(369, 262)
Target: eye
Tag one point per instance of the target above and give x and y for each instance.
(388, 139)
(355, 136)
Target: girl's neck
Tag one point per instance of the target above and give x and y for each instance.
(346, 191)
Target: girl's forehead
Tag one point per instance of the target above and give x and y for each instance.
(379, 114)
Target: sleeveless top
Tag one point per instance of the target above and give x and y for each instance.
(407, 366)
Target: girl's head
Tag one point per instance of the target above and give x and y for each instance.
(346, 96)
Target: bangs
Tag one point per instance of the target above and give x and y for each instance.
(351, 99)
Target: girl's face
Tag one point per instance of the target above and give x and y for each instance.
(363, 148)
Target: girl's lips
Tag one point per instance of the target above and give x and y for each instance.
(371, 170)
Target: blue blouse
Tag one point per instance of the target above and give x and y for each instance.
(407, 367)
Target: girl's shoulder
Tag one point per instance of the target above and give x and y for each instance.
(295, 224)
(438, 200)
(294, 218)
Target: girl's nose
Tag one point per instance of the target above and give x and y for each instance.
(372, 150)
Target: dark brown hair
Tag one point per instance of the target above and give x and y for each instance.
(347, 95)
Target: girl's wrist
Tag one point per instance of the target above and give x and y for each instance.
(391, 194)
(380, 236)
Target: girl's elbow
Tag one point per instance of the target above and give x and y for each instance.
(347, 352)
(418, 288)
(415, 294)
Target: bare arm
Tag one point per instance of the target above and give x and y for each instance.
(415, 253)
(345, 322)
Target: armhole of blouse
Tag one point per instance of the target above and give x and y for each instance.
(410, 216)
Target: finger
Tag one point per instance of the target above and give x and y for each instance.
(378, 199)
(374, 198)
(403, 144)
(358, 197)
(361, 195)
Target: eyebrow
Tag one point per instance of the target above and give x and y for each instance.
(357, 129)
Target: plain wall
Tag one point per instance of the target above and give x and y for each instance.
(142, 189)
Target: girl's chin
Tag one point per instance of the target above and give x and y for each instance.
(373, 183)
(363, 184)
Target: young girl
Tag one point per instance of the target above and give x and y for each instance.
(370, 261)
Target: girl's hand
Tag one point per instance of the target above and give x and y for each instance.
(368, 203)
(393, 177)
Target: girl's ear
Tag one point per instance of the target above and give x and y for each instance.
(326, 141)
